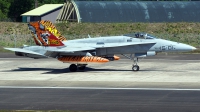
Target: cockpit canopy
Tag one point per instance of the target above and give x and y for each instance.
(140, 35)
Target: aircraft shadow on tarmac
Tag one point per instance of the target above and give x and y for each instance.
(61, 71)
(88, 69)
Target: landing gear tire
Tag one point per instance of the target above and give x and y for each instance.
(81, 68)
(73, 68)
(135, 68)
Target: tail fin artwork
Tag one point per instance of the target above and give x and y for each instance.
(46, 34)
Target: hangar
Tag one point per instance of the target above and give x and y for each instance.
(116, 11)
(129, 11)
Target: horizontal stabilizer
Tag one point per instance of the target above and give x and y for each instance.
(25, 51)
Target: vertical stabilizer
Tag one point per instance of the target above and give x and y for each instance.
(46, 34)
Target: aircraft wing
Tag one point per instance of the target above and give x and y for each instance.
(72, 49)
(125, 44)
(25, 51)
(79, 49)
(76, 49)
(67, 50)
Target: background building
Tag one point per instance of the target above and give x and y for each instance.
(44, 12)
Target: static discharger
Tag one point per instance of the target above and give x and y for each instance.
(83, 59)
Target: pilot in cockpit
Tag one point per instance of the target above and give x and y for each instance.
(141, 36)
(137, 35)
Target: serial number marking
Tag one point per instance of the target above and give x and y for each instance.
(164, 48)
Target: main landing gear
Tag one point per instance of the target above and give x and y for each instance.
(135, 67)
(74, 67)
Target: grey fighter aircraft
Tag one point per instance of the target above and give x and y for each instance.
(80, 52)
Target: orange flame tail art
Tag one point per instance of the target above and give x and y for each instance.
(83, 59)
(51, 28)
(46, 34)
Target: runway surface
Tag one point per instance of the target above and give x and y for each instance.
(100, 99)
(164, 83)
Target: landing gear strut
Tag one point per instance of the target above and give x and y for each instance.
(81, 66)
(135, 66)
(74, 67)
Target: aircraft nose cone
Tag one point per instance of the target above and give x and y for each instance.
(190, 48)
(193, 48)
(186, 47)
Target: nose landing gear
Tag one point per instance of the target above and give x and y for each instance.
(135, 67)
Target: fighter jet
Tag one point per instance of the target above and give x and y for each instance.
(80, 52)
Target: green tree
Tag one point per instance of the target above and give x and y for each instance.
(42, 2)
(4, 8)
(19, 7)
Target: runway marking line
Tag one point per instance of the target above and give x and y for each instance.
(93, 88)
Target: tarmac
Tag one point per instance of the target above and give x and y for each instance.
(166, 82)
(171, 71)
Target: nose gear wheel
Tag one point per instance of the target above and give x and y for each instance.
(135, 67)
